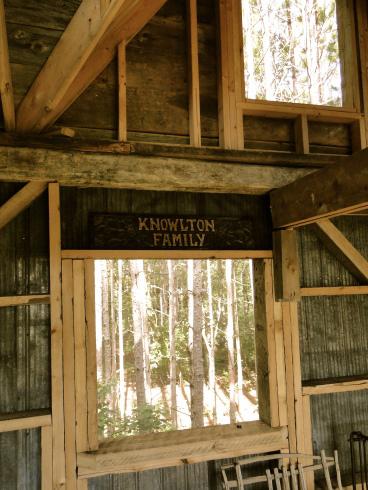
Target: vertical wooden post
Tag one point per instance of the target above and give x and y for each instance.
(362, 35)
(69, 375)
(46, 458)
(308, 438)
(286, 266)
(269, 348)
(57, 394)
(231, 79)
(80, 356)
(301, 134)
(193, 66)
(123, 131)
(358, 135)
(6, 86)
(280, 362)
(92, 425)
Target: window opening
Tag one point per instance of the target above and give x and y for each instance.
(291, 51)
(175, 344)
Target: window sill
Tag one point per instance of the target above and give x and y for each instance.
(151, 451)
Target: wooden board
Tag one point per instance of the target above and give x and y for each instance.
(324, 194)
(176, 448)
(57, 394)
(135, 172)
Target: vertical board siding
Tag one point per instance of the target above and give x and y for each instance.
(24, 339)
(334, 340)
(20, 460)
(333, 418)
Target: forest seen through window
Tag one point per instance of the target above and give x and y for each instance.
(291, 51)
(175, 344)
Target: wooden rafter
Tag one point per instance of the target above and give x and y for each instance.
(339, 189)
(6, 86)
(86, 47)
(340, 246)
(20, 201)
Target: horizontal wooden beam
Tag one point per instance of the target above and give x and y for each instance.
(138, 453)
(334, 291)
(342, 248)
(292, 111)
(34, 299)
(326, 388)
(213, 154)
(23, 421)
(329, 192)
(166, 254)
(21, 200)
(141, 172)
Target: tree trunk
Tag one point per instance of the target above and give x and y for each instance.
(250, 82)
(139, 305)
(195, 325)
(239, 363)
(211, 347)
(172, 326)
(230, 338)
(121, 340)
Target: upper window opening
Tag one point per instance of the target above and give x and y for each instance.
(291, 51)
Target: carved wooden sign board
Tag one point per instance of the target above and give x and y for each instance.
(141, 232)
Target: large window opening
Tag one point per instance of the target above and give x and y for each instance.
(175, 344)
(291, 51)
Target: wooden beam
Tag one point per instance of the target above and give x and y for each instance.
(86, 47)
(334, 291)
(91, 377)
(276, 109)
(142, 452)
(69, 375)
(231, 75)
(35, 299)
(340, 246)
(336, 387)
(326, 193)
(193, 65)
(122, 125)
(165, 254)
(141, 172)
(46, 458)
(20, 201)
(255, 157)
(286, 266)
(32, 422)
(302, 134)
(6, 86)
(57, 395)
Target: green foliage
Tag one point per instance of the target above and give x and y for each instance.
(145, 419)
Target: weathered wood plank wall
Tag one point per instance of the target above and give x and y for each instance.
(157, 80)
(24, 339)
(334, 340)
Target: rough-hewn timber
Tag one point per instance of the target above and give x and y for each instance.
(141, 172)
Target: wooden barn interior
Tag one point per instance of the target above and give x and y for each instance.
(140, 109)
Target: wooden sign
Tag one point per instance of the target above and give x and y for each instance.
(142, 232)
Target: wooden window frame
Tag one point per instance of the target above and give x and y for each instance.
(351, 106)
(93, 458)
(233, 105)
